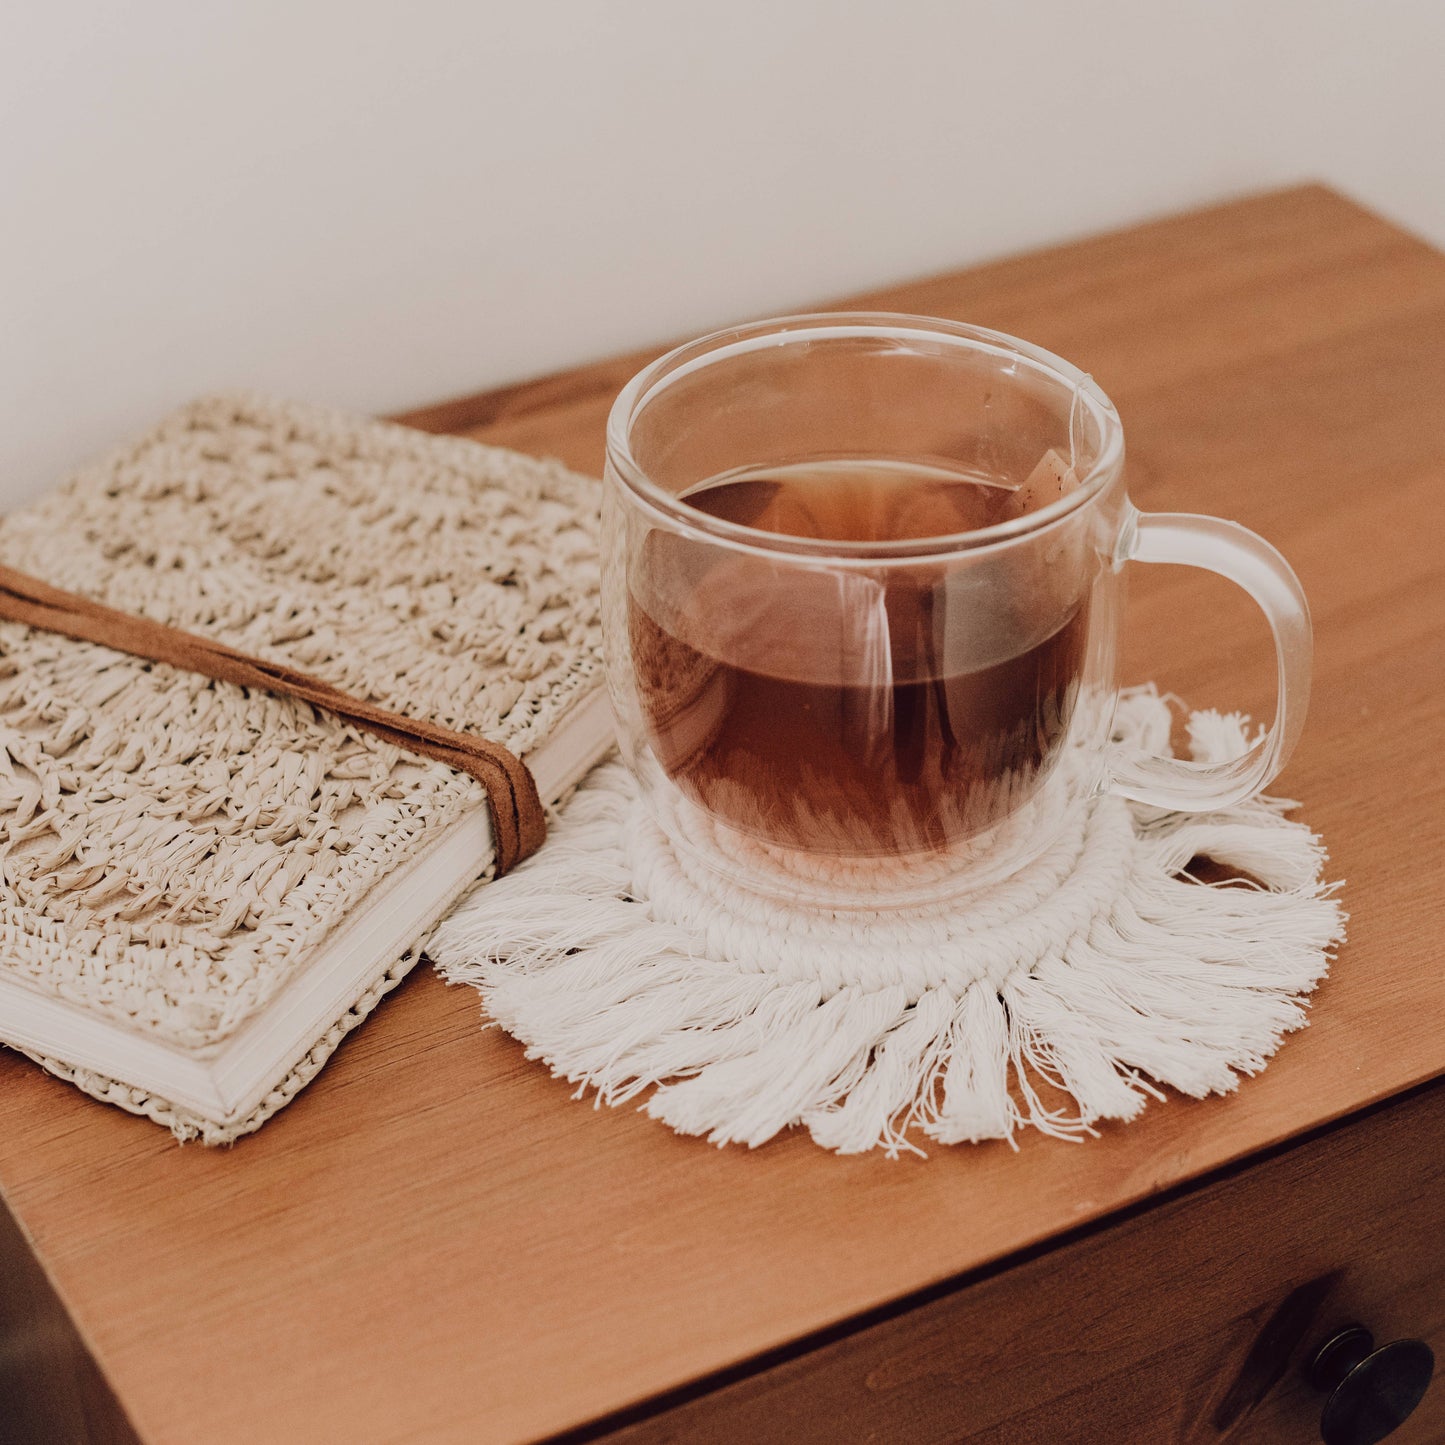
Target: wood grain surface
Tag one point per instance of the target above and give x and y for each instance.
(435, 1242)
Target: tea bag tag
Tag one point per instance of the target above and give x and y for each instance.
(1051, 479)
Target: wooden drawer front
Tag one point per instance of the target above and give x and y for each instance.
(1182, 1323)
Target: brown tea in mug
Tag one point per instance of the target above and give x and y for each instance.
(874, 710)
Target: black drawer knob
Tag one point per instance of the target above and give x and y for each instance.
(1372, 1392)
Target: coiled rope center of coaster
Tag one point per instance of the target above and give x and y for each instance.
(952, 941)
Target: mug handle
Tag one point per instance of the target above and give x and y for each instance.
(1238, 554)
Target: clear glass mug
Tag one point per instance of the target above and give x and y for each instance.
(861, 587)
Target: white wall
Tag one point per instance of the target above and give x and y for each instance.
(381, 204)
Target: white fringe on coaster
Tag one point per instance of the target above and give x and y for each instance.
(1064, 996)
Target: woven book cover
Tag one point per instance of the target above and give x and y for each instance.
(178, 852)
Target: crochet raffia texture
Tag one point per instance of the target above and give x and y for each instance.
(174, 848)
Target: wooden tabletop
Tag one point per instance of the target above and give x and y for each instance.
(437, 1242)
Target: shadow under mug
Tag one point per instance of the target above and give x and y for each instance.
(861, 593)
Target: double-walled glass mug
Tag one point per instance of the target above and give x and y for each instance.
(861, 593)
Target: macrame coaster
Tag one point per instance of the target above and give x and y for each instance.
(1061, 997)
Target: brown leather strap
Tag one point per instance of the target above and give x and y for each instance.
(517, 817)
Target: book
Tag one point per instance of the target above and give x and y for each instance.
(205, 886)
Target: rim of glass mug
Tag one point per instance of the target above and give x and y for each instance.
(734, 341)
